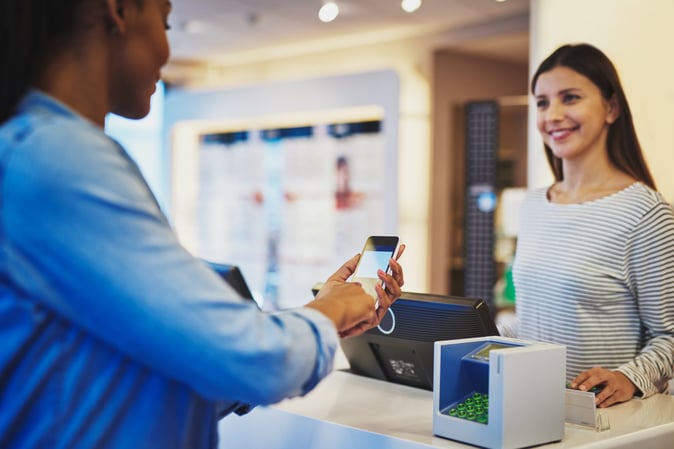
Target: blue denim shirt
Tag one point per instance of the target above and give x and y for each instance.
(111, 334)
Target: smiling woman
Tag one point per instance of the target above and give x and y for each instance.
(593, 267)
(139, 50)
(113, 335)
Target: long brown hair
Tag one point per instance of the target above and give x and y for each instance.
(624, 150)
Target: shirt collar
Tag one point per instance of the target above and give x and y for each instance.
(36, 99)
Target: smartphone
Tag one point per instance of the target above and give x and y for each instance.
(374, 256)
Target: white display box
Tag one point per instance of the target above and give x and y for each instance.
(523, 380)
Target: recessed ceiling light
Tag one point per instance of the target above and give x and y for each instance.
(410, 5)
(194, 27)
(328, 12)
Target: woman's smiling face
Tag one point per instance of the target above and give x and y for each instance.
(141, 51)
(572, 115)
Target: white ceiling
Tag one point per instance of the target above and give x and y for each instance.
(233, 30)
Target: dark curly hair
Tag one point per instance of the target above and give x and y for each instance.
(30, 32)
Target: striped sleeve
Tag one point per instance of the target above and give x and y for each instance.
(649, 266)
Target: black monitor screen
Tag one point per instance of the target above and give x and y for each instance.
(233, 276)
(400, 349)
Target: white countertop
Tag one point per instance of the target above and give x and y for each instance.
(346, 409)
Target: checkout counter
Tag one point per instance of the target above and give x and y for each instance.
(354, 412)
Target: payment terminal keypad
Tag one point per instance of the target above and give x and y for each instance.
(473, 408)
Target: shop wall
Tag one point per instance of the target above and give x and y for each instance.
(457, 79)
(254, 180)
(268, 81)
(410, 58)
(637, 36)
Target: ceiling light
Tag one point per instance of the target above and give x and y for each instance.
(328, 12)
(194, 27)
(410, 5)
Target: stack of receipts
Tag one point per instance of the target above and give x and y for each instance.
(581, 410)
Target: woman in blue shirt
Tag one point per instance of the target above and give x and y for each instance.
(114, 336)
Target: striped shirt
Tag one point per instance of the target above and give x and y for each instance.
(598, 277)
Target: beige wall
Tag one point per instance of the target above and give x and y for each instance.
(457, 79)
(638, 36)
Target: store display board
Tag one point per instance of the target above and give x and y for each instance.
(286, 199)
